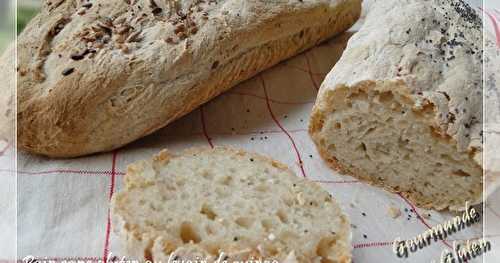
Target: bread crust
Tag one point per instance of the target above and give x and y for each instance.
(425, 59)
(78, 96)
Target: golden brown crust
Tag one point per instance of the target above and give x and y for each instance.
(101, 105)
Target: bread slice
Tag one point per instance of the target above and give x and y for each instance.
(223, 202)
(402, 109)
(94, 76)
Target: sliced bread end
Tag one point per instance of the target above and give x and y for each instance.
(207, 203)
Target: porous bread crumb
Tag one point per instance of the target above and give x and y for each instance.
(402, 109)
(211, 201)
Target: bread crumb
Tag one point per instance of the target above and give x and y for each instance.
(271, 237)
(394, 212)
(260, 249)
(300, 199)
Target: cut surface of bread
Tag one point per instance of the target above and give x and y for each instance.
(95, 76)
(221, 202)
(402, 109)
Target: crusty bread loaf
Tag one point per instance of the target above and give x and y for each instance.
(95, 75)
(403, 107)
(223, 202)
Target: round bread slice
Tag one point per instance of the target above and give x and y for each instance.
(225, 204)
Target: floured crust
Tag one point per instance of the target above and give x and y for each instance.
(92, 79)
(428, 54)
(143, 242)
(427, 50)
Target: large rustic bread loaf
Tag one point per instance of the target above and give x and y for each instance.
(95, 75)
(212, 203)
(402, 109)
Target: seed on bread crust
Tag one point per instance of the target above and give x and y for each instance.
(68, 71)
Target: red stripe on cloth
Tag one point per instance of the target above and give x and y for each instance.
(111, 192)
(305, 70)
(281, 127)
(259, 133)
(495, 25)
(309, 70)
(274, 101)
(421, 218)
(204, 126)
(373, 244)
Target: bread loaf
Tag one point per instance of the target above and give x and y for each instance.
(95, 75)
(402, 109)
(223, 203)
